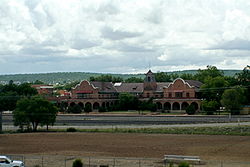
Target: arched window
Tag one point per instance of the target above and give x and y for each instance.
(184, 105)
(167, 106)
(176, 106)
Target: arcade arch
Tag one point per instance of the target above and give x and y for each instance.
(176, 106)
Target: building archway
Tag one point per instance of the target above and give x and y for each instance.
(167, 106)
(81, 104)
(176, 106)
(72, 104)
(159, 106)
(196, 106)
(63, 106)
(88, 107)
(96, 106)
(184, 105)
(107, 104)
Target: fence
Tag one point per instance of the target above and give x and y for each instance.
(62, 161)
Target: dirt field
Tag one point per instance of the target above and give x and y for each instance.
(234, 148)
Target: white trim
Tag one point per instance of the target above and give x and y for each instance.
(87, 82)
(184, 82)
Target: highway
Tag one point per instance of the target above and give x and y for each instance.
(116, 120)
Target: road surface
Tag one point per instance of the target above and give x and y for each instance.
(99, 121)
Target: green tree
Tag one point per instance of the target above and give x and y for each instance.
(106, 78)
(184, 164)
(147, 105)
(117, 79)
(162, 77)
(213, 88)
(174, 76)
(190, 110)
(75, 109)
(210, 106)
(187, 76)
(134, 80)
(34, 111)
(77, 163)
(38, 82)
(232, 99)
(88, 108)
(70, 85)
(9, 94)
(211, 72)
(8, 101)
(244, 81)
(244, 76)
(25, 89)
(128, 101)
(232, 81)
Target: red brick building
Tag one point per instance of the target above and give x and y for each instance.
(169, 96)
(44, 89)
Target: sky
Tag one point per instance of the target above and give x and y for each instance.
(123, 36)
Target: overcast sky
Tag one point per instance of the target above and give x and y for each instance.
(123, 36)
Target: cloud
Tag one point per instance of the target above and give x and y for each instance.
(236, 44)
(122, 36)
(41, 50)
(83, 44)
(112, 34)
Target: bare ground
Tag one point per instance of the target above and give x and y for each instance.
(233, 148)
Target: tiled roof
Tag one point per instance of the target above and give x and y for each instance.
(104, 86)
(130, 87)
(160, 86)
(196, 84)
(135, 87)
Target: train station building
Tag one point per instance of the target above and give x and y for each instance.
(173, 96)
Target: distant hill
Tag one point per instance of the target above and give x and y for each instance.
(65, 77)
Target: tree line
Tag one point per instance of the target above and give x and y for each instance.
(29, 109)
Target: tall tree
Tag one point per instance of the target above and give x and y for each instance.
(35, 111)
(232, 99)
(9, 94)
(211, 72)
(244, 81)
(128, 101)
(213, 88)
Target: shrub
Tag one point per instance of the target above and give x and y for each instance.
(88, 108)
(171, 164)
(210, 106)
(148, 105)
(184, 164)
(75, 109)
(103, 109)
(77, 163)
(71, 130)
(190, 110)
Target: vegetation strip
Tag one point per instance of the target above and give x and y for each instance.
(225, 130)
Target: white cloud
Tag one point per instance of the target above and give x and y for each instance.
(122, 36)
